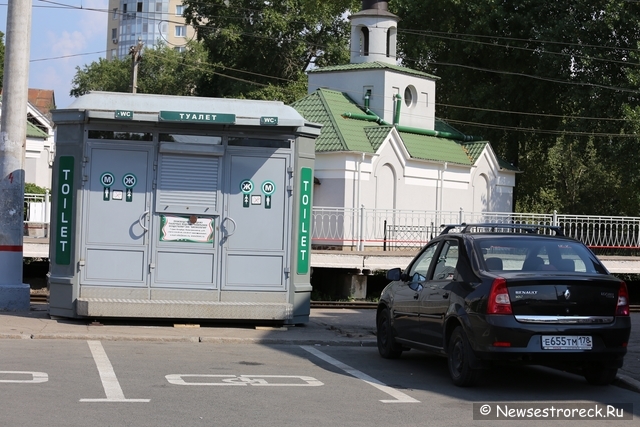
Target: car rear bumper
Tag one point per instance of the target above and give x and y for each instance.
(489, 336)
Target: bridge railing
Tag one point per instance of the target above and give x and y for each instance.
(387, 229)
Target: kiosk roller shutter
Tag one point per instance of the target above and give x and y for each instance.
(188, 184)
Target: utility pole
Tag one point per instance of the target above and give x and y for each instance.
(136, 56)
(14, 295)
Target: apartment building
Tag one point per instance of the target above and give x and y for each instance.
(148, 21)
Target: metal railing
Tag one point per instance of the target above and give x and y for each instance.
(409, 230)
(393, 229)
(37, 214)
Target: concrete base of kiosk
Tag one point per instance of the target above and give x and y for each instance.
(104, 307)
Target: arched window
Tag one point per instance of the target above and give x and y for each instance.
(364, 41)
(391, 42)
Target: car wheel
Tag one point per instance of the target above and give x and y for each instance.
(598, 374)
(459, 358)
(387, 345)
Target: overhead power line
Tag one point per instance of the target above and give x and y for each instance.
(431, 33)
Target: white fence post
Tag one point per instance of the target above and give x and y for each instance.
(361, 237)
(47, 213)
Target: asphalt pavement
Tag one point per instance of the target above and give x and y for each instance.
(333, 327)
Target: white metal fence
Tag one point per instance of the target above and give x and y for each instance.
(400, 229)
(392, 229)
(37, 214)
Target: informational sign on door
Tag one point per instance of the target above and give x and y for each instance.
(174, 228)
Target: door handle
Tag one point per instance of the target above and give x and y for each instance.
(235, 226)
(141, 218)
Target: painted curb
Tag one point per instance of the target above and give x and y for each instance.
(627, 382)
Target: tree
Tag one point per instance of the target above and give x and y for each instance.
(262, 49)
(162, 70)
(105, 75)
(532, 76)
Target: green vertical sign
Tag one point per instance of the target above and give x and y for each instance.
(304, 220)
(64, 197)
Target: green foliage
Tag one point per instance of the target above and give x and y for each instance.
(262, 49)
(30, 188)
(104, 75)
(287, 94)
(162, 70)
(535, 74)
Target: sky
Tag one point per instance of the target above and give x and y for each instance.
(65, 34)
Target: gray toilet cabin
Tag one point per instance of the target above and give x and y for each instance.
(181, 208)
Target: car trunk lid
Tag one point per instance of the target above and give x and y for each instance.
(563, 295)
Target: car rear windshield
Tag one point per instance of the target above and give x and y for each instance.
(530, 253)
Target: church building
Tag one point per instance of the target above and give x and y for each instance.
(382, 145)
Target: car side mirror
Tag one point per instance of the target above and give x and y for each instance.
(394, 274)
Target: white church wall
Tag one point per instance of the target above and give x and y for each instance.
(354, 84)
(384, 86)
(417, 108)
(492, 187)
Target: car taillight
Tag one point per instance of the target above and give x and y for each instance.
(623, 300)
(499, 302)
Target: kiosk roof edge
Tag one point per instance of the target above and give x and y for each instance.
(148, 107)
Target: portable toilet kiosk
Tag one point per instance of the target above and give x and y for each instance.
(181, 207)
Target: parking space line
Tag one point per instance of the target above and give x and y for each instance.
(112, 388)
(36, 377)
(399, 397)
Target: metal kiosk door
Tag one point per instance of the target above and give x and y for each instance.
(184, 250)
(115, 249)
(257, 224)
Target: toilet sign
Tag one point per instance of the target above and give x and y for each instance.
(129, 180)
(246, 187)
(123, 115)
(304, 218)
(268, 188)
(107, 179)
(64, 210)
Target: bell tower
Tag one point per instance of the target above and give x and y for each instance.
(373, 33)
(397, 94)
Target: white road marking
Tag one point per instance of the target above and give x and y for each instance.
(244, 380)
(36, 377)
(399, 396)
(112, 388)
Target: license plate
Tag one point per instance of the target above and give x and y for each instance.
(566, 342)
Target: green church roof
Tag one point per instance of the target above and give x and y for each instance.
(342, 134)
